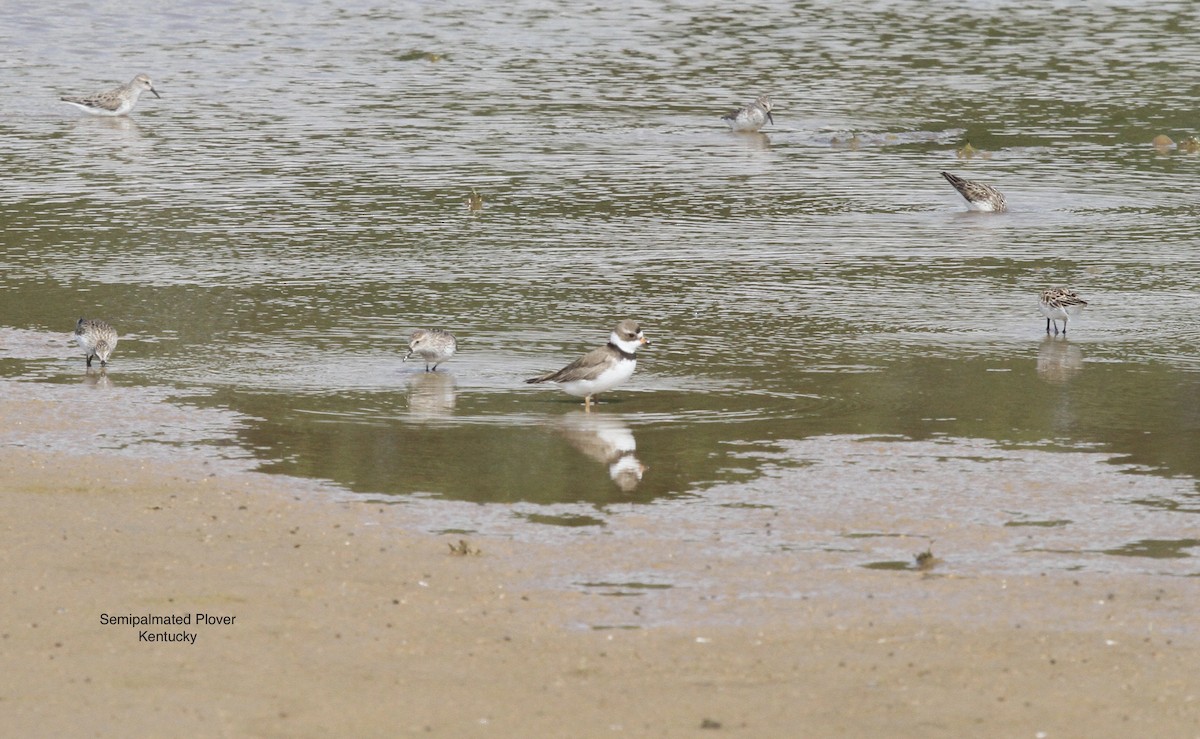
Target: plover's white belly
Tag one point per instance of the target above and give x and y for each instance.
(606, 380)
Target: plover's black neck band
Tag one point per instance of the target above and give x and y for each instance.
(624, 354)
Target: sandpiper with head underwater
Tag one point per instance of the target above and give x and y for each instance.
(1057, 304)
(979, 196)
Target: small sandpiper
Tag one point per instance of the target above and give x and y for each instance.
(97, 339)
(118, 101)
(752, 117)
(1056, 304)
(433, 345)
(600, 369)
(979, 196)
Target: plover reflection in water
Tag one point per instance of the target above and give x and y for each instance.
(979, 196)
(607, 440)
(1057, 304)
(97, 339)
(117, 101)
(433, 345)
(751, 117)
(600, 369)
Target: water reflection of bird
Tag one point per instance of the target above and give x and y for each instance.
(118, 101)
(600, 369)
(750, 117)
(1058, 360)
(1057, 303)
(433, 345)
(979, 196)
(607, 440)
(94, 378)
(431, 394)
(96, 338)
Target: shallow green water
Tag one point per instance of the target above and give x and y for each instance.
(266, 235)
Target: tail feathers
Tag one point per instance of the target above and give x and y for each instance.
(958, 182)
(554, 376)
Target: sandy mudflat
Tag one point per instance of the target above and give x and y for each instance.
(351, 622)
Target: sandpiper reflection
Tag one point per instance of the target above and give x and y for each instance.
(431, 395)
(607, 440)
(93, 377)
(1058, 360)
(754, 140)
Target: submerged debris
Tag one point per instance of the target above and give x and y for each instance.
(926, 560)
(474, 201)
(463, 549)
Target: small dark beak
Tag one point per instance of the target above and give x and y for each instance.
(160, 97)
(769, 118)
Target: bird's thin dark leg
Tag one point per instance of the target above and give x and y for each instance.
(1047, 325)
(89, 360)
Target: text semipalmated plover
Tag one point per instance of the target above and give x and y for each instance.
(1056, 304)
(751, 117)
(433, 345)
(600, 369)
(979, 196)
(117, 101)
(97, 339)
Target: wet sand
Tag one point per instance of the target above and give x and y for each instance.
(348, 621)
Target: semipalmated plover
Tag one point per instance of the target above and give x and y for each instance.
(97, 339)
(751, 117)
(979, 196)
(600, 369)
(1056, 304)
(118, 101)
(433, 345)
